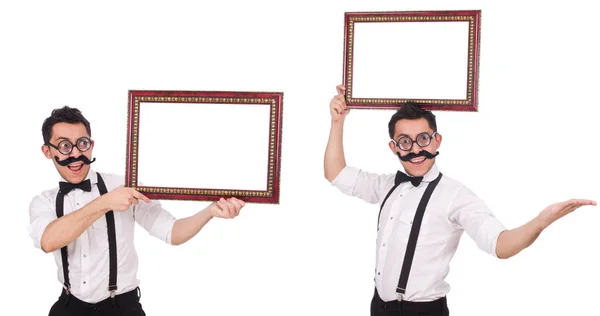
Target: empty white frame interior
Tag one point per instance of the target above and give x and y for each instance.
(200, 145)
(410, 60)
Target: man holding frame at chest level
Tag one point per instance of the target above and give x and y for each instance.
(423, 214)
(88, 224)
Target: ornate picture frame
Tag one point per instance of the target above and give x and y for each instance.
(170, 156)
(428, 57)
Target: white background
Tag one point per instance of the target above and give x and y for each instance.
(533, 143)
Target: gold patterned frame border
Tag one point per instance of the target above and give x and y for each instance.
(273, 99)
(470, 103)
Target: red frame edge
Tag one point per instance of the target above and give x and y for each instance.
(274, 199)
(473, 106)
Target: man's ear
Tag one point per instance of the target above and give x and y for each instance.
(392, 147)
(46, 151)
(438, 138)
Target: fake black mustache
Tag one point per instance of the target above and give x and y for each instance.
(73, 159)
(422, 153)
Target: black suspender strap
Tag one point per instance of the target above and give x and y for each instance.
(399, 179)
(112, 242)
(60, 199)
(412, 239)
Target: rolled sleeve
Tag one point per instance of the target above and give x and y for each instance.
(155, 220)
(364, 185)
(346, 180)
(41, 214)
(474, 216)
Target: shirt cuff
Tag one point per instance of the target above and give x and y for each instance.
(346, 180)
(495, 229)
(170, 233)
(36, 231)
(163, 227)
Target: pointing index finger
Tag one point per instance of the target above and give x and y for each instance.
(140, 196)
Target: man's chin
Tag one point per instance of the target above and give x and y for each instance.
(73, 176)
(417, 170)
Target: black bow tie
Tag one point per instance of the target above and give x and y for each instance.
(403, 177)
(66, 187)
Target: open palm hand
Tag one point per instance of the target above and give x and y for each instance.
(557, 210)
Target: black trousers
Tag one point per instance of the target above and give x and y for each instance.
(438, 307)
(126, 304)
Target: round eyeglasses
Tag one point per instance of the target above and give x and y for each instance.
(65, 146)
(406, 143)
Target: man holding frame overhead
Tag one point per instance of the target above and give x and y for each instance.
(422, 214)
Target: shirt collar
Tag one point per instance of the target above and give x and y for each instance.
(432, 174)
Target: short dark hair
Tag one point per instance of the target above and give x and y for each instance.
(65, 114)
(411, 111)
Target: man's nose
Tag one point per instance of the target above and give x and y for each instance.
(415, 148)
(75, 152)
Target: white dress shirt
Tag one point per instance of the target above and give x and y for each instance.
(88, 254)
(452, 209)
